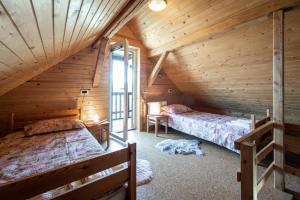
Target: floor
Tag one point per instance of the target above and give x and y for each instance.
(117, 125)
(188, 177)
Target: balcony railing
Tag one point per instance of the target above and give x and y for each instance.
(118, 105)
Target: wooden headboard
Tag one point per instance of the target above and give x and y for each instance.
(18, 121)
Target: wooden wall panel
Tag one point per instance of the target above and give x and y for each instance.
(231, 72)
(59, 87)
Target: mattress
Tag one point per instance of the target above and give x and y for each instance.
(22, 156)
(219, 129)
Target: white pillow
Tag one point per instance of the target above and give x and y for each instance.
(176, 109)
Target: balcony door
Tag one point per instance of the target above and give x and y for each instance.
(122, 90)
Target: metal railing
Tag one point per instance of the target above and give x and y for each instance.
(118, 105)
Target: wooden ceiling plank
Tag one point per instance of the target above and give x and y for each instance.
(12, 40)
(10, 59)
(5, 69)
(20, 78)
(187, 20)
(150, 20)
(102, 59)
(73, 12)
(225, 24)
(128, 12)
(85, 9)
(44, 15)
(93, 12)
(60, 20)
(98, 20)
(94, 20)
(24, 20)
(109, 17)
(157, 68)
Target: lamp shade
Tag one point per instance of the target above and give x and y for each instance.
(154, 108)
(157, 5)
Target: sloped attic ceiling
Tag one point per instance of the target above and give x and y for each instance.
(37, 34)
(231, 70)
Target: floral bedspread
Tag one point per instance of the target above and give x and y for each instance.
(24, 156)
(219, 129)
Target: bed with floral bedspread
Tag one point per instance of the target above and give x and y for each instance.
(219, 129)
(22, 156)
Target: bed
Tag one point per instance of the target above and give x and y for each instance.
(68, 164)
(220, 129)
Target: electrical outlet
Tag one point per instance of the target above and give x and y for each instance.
(84, 92)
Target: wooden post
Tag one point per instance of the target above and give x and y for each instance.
(248, 169)
(278, 99)
(156, 126)
(132, 167)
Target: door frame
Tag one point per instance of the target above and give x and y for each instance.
(136, 89)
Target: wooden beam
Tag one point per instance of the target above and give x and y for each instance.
(292, 170)
(249, 172)
(132, 172)
(278, 96)
(101, 60)
(127, 13)
(225, 24)
(39, 183)
(96, 188)
(264, 177)
(157, 68)
(257, 133)
(264, 152)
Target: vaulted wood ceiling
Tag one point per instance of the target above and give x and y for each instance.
(36, 34)
(221, 51)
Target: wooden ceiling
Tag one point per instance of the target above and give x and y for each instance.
(36, 34)
(231, 70)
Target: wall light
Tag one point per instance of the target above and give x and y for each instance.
(96, 118)
(157, 5)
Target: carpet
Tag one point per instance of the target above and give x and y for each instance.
(181, 146)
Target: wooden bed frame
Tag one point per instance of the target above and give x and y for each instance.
(250, 157)
(39, 183)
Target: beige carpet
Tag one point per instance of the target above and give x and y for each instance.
(188, 177)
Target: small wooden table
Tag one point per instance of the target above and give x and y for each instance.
(99, 130)
(157, 120)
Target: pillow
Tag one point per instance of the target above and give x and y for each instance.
(176, 109)
(52, 125)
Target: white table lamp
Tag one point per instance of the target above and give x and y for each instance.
(154, 108)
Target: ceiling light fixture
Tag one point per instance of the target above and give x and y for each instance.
(157, 5)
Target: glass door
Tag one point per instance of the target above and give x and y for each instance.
(122, 90)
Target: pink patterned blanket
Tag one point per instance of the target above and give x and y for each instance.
(24, 156)
(219, 129)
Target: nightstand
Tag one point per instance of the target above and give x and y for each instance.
(100, 130)
(157, 120)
